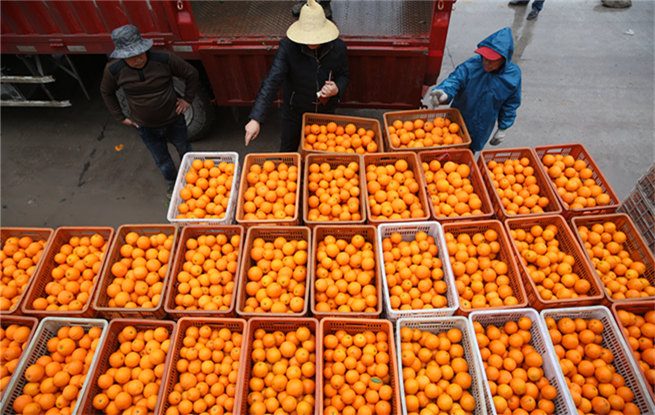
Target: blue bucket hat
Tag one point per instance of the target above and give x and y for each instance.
(128, 42)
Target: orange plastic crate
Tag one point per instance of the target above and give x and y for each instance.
(414, 166)
(369, 233)
(334, 160)
(270, 325)
(460, 156)
(545, 188)
(105, 278)
(634, 244)
(640, 307)
(43, 274)
(309, 118)
(451, 114)
(331, 325)
(171, 376)
(269, 233)
(567, 243)
(291, 159)
(30, 322)
(505, 254)
(109, 346)
(35, 234)
(194, 231)
(579, 152)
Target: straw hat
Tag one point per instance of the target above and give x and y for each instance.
(312, 28)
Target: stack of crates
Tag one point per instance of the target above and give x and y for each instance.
(640, 206)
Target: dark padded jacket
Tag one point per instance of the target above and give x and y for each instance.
(149, 90)
(302, 72)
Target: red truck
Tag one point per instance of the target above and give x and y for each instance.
(394, 47)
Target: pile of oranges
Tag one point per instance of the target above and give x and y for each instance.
(435, 374)
(640, 330)
(514, 369)
(393, 191)
(13, 340)
(333, 193)
(282, 372)
(588, 367)
(574, 182)
(271, 191)
(139, 273)
(450, 189)
(207, 190)
(18, 259)
(55, 379)
(622, 276)
(345, 275)
(517, 187)
(481, 276)
(78, 263)
(414, 272)
(207, 370)
(549, 268)
(422, 133)
(277, 280)
(357, 373)
(207, 279)
(339, 139)
(132, 382)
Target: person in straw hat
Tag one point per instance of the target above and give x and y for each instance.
(156, 110)
(311, 65)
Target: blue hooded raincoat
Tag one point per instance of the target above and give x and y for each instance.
(484, 97)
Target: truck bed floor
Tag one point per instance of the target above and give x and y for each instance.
(355, 18)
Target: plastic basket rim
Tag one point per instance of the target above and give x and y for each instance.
(379, 139)
(623, 347)
(481, 408)
(493, 195)
(394, 315)
(179, 314)
(37, 332)
(87, 311)
(172, 208)
(466, 137)
(105, 272)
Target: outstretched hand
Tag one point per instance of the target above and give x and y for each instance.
(252, 131)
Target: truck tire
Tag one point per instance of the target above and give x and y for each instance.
(199, 117)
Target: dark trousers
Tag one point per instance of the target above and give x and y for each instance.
(157, 139)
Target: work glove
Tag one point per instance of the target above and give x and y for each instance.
(434, 98)
(498, 137)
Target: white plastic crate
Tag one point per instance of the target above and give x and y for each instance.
(180, 182)
(563, 402)
(46, 330)
(624, 361)
(438, 325)
(408, 231)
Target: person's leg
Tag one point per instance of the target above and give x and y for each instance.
(156, 143)
(518, 2)
(538, 5)
(178, 135)
(290, 135)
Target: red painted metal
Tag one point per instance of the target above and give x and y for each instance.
(386, 71)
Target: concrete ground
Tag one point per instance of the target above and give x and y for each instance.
(588, 77)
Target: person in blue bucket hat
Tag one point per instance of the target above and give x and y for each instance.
(485, 88)
(156, 110)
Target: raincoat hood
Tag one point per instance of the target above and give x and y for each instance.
(502, 42)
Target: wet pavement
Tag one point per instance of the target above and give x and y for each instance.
(588, 77)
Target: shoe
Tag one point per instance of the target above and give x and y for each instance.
(295, 9)
(533, 14)
(169, 190)
(518, 2)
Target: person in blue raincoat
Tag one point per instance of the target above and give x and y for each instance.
(486, 88)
